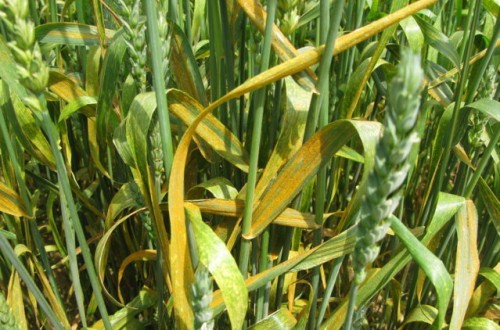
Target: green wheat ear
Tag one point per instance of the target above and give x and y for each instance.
(201, 292)
(391, 167)
(7, 318)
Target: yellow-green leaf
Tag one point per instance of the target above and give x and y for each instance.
(466, 264)
(11, 203)
(221, 264)
(74, 34)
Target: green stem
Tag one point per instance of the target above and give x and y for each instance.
(263, 264)
(451, 138)
(352, 305)
(476, 78)
(334, 271)
(9, 253)
(255, 143)
(37, 237)
(482, 163)
(62, 174)
(159, 84)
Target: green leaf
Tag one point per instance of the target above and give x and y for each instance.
(121, 144)
(127, 197)
(219, 187)
(431, 265)
(491, 203)
(492, 6)
(492, 276)
(126, 316)
(480, 323)
(490, 108)
(74, 34)
(438, 41)
(77, 104)
(446, 208)
(221, 264)
(413, 33)
(423, 314)
(106, 119)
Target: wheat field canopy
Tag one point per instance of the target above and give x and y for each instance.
(249, 164)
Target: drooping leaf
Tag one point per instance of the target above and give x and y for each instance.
(211, 130)
(488, 107)
(291, 136)
(128, 196)
(141, 255)
(303, 166)
(234, 208)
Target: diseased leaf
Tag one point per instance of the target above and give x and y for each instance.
(280, 43)
(438, 40)
(11, 203)
(467, 263)
(184, 66)
(303, 166)
(281, 319)
(211, 130)
(74, 34)
(221, 264)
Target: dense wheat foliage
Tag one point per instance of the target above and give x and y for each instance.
(237, 164)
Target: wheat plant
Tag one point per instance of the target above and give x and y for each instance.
(244, 164)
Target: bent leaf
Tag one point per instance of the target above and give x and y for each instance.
(302, 167)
